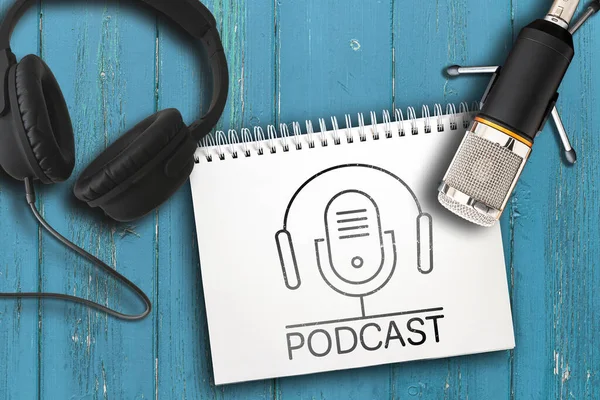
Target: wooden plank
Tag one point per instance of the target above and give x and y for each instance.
(332, 59)
(530, 363)
(184, 365)
(332, 66)
(19, 342)
(556, 242)
(574, 232)
(433, 36)
(104, 58)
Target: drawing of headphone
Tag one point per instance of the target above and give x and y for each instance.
(330, 273)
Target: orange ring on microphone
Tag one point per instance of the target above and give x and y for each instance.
(504, 130)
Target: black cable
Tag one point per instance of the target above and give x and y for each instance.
(88, 303)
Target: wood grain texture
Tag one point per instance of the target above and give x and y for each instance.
(556, 245)
(289, 60)
(103, 57)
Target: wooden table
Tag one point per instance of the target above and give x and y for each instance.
(289, 60)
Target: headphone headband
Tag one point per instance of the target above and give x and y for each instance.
(191, 15)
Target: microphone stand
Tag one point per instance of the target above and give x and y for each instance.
(456, 70)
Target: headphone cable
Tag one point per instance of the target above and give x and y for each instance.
(30, 194)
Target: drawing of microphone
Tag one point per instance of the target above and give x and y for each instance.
(357, 257)
(361, 258)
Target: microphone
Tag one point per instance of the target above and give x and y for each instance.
(517, 104)
(354, 236)
(359, 257)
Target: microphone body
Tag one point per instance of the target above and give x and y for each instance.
(491, 158)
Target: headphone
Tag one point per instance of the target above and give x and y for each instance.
(143, 168)
(287, 253)
(133, 176)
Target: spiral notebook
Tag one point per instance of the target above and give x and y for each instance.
(324, 248)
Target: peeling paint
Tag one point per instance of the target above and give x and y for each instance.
(566, 374)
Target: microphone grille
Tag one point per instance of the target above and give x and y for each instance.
(483, 170)
(466, 212)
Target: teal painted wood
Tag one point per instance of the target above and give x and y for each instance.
(182, 367)
(104, 58)
(289, 60)
(19, 267)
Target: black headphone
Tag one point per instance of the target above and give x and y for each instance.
(133, 176)
(142, 169)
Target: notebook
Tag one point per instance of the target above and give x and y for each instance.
(323, 247)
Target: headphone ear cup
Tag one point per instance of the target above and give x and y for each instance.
(287, 258)
(40, 123)
(131, 177)
(425, 243)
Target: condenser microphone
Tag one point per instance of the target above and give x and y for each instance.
(517, 104)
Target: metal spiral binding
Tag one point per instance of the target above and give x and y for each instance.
(248, 143)
(412, 118)
(387, 122)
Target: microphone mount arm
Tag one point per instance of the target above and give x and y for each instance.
(570, 154)
(592, 9)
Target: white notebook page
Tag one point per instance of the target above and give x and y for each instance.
(366, 289)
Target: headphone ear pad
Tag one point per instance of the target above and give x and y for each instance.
(44, 118)
(134, 175)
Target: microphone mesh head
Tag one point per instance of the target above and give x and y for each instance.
(485, 171)
(466, 212)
